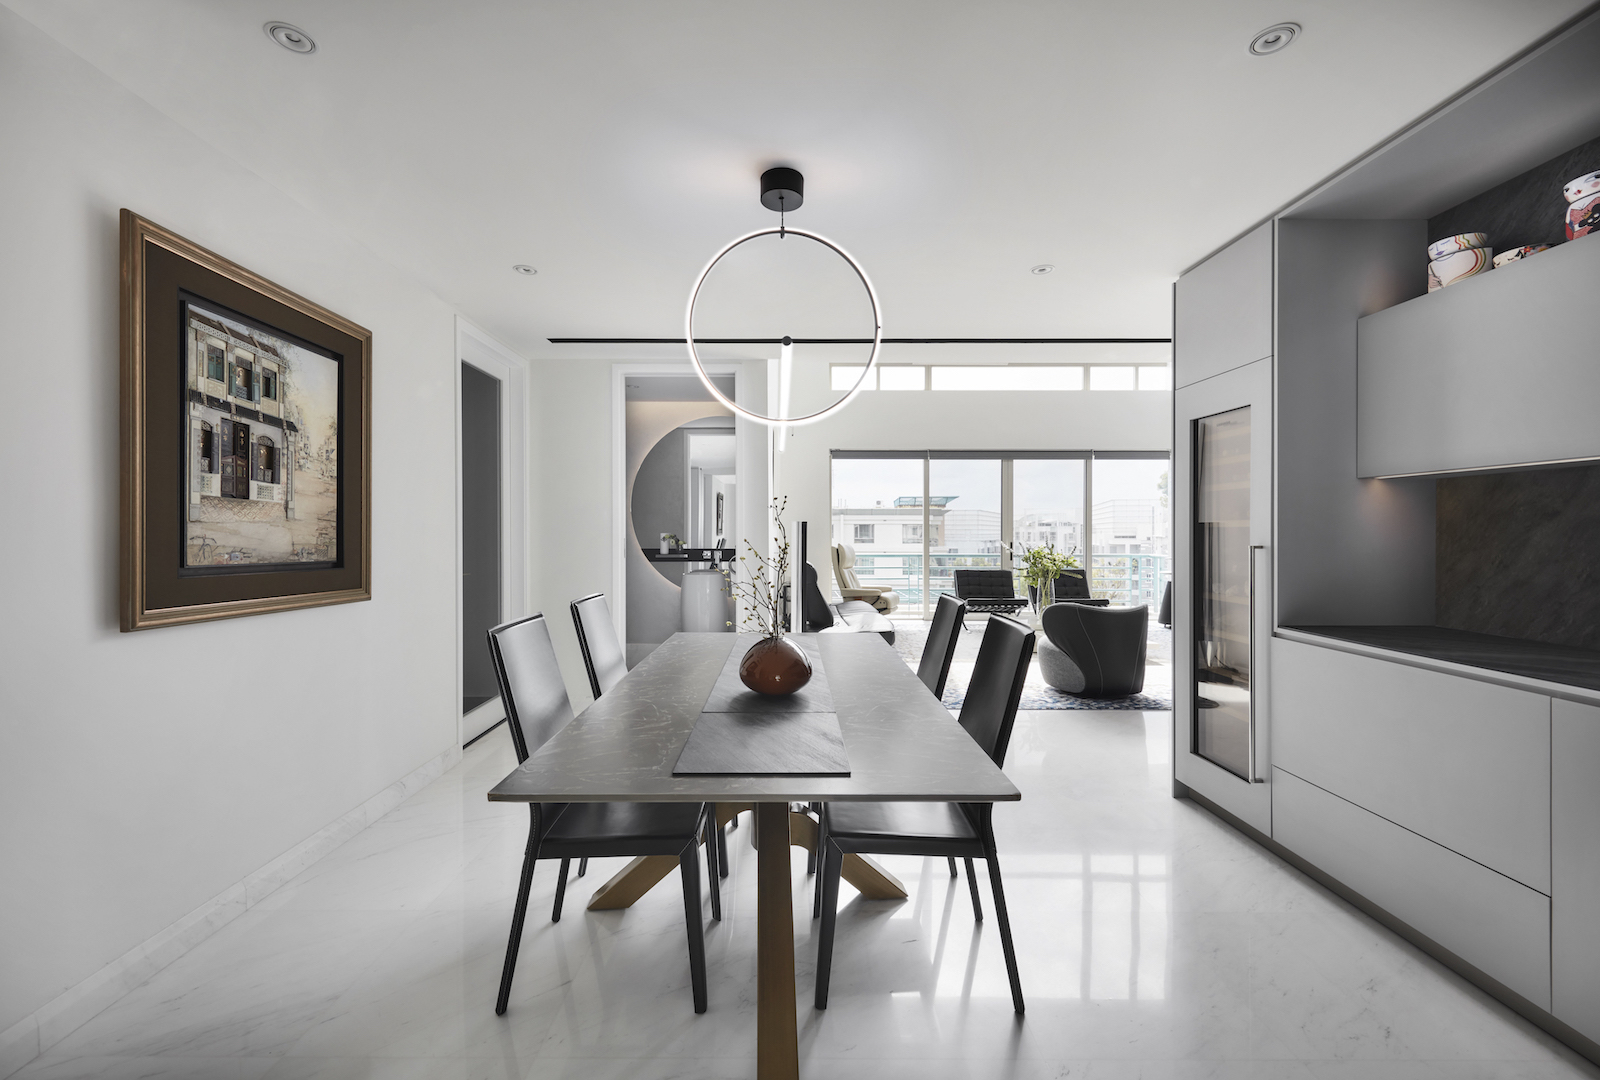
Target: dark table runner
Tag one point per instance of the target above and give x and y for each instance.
(741, 732)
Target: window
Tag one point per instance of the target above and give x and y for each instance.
(982, 509)
(1112, 378)
(241, 380)
(998, 377)
(844, 376)
(864, 534)
(1155, 378)
(215, 363)
(208, 448)
(266, 461)
(902, 378)
(269, 384)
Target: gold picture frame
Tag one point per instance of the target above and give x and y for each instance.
(169, 286)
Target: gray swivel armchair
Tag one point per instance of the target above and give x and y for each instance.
(1095, 652)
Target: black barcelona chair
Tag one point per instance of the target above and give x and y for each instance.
(536, 709)
(952, 830)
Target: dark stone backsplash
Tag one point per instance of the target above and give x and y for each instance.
(1527, 209)
(1517, 555)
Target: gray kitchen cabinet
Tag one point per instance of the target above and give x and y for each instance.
(1575, 857)
(1224, 316)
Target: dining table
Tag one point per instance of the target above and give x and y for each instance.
(898, 744)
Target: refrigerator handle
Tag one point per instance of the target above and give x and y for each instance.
(1255, 681)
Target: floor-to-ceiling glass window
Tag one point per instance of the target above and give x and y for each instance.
(1110, 510)
(877, 510)
(964, 529)
(1047, 505)
(1131, 544)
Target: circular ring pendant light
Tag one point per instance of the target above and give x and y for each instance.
(783, 187)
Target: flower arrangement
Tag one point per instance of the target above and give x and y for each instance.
(761, 588)
(1040, 566)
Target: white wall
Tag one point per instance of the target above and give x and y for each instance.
(946, 420)
(138, 778)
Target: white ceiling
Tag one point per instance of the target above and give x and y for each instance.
(950, 146)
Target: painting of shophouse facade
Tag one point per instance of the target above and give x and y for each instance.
(263, 479)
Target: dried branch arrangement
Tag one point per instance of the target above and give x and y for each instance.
(760, 585)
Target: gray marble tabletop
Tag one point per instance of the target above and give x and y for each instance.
(903, 745)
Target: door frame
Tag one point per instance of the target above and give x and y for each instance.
(743, 465)
(1253, 385)
(476, 347)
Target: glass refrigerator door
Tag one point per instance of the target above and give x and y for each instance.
(1223, 588)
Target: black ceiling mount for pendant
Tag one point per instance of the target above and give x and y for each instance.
(782, 189)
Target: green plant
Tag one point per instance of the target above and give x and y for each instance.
(1038, 565)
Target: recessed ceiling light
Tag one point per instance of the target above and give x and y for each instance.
(1274, 38)
(1042, 269)
(290, 37)
(524, 268)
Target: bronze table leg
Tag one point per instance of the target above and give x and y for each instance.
(777, 1043)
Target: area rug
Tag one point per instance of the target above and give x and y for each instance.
(1045, 697)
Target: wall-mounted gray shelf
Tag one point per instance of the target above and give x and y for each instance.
(690, 555)
(1498, 371)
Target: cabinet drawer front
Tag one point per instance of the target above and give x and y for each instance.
(1464, 763)
(1485, 918)
(1224, 310)
(1575, 875)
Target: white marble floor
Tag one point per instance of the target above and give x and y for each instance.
(1154, 942)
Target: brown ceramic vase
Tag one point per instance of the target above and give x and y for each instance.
(775, 666)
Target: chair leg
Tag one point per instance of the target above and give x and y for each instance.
(822, 846)
(583, 867)
(972, 881)
(952, 861)
(811, 856)
(722, 848)
(1005, 926)
(561, 890)
(713, 845)
(518, 914)
(832, 864)
(689, 870)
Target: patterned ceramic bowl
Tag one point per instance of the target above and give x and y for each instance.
(1582, 187)
(1583, 216)
(1457, 265)
(1517, 254)
(1464, 242)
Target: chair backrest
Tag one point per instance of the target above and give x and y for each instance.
(1072, 584)
(996, 687)
(597, 637)
(943, 633)
(814, 610)
(1107, 643)
(844, 558)
(530, 683)
(984, 584)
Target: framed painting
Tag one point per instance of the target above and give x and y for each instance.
(246, 440)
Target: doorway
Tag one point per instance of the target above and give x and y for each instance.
(481, 498)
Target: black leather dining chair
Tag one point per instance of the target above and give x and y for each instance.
(603, 657)
(953, 830)
(536, 709)
(940, 648)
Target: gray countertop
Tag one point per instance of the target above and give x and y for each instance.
(903, 745)
(1559, 664)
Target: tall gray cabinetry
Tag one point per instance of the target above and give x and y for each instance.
(1459, 804)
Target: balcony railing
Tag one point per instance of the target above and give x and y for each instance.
(1122, 579)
